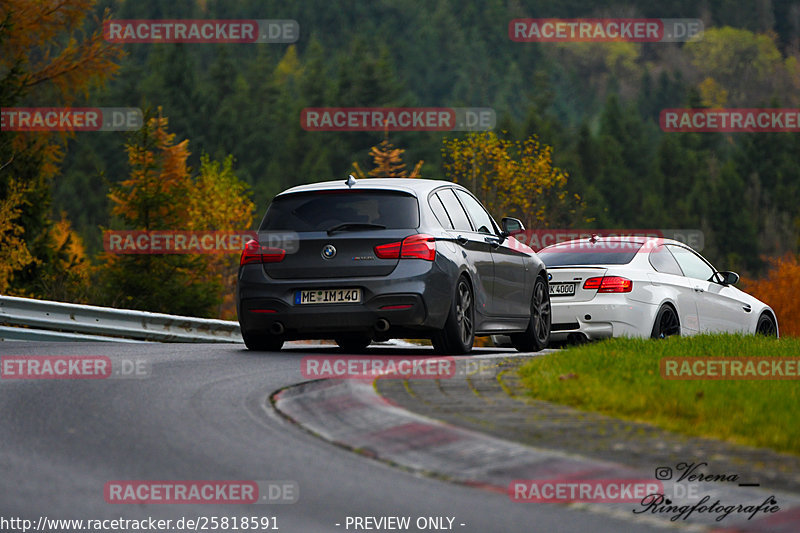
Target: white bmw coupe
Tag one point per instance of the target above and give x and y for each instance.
(644, 287)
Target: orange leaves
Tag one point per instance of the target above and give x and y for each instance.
(514, 178)
(161, 194)
(46, 42)
(779, 290)
(388, 162)
(154, 196)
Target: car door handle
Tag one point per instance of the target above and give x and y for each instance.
(494, 241)
(746, 308)
(462, 240)
(698, 289)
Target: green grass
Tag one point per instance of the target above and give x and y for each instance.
(622, 378)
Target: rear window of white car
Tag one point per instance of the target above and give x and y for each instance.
(586, 253)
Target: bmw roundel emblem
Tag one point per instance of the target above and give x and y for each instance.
(328, 252)
(549, 277)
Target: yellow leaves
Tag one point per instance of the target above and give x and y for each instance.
(71, 258)
(46, 40)
(219, 200)
(64, 238)
(46, 53)
(160, 194)
(712, 94)
(512, 178)
(14, 254)
(619, 58)
(289, 65)
(388, 162)
(749, 66)
(153, 196)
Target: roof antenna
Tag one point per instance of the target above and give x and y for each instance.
(350, 181)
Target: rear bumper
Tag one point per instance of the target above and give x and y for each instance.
(415, 298)
(607, 315)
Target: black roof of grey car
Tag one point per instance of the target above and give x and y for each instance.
(409, 185)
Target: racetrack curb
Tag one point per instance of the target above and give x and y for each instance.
(351, 414)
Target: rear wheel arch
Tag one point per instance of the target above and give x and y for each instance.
(656, 329)
(530, 340)
(671, 304)
(449, 339)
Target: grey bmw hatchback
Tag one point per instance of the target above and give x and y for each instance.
(380, 258)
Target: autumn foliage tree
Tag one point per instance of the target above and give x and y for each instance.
(160, 194)
(47, 56)
(220, 201)
(387, 161)
(779, 290)
(14, 254)
(512, 178)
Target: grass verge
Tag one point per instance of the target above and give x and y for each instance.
(622, 378)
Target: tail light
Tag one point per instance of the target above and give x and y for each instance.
(419, 246)
(254, 253)
(609, 284)
(388, 251)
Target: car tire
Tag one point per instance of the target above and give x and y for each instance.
(766, 326)
(666, 323)
(537, 336)
(262, 342)
(353, 343)
(458, 333)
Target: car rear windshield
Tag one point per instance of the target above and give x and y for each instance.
(323, 210)
(587, 253)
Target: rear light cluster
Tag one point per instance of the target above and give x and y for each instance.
(609, 284)
(255, 253)
(420, 246)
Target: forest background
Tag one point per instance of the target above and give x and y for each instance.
(577, 142)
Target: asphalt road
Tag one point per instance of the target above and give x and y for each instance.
(202, 414)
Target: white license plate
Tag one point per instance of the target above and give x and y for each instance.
(328, 296)
(562, 289)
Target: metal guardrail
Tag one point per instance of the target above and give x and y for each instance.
(45, 320)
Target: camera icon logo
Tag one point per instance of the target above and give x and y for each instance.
(663, 473)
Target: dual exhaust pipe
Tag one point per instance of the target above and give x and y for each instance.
(382, 325)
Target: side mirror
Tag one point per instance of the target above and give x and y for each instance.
(728, 278)
(511, 226)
